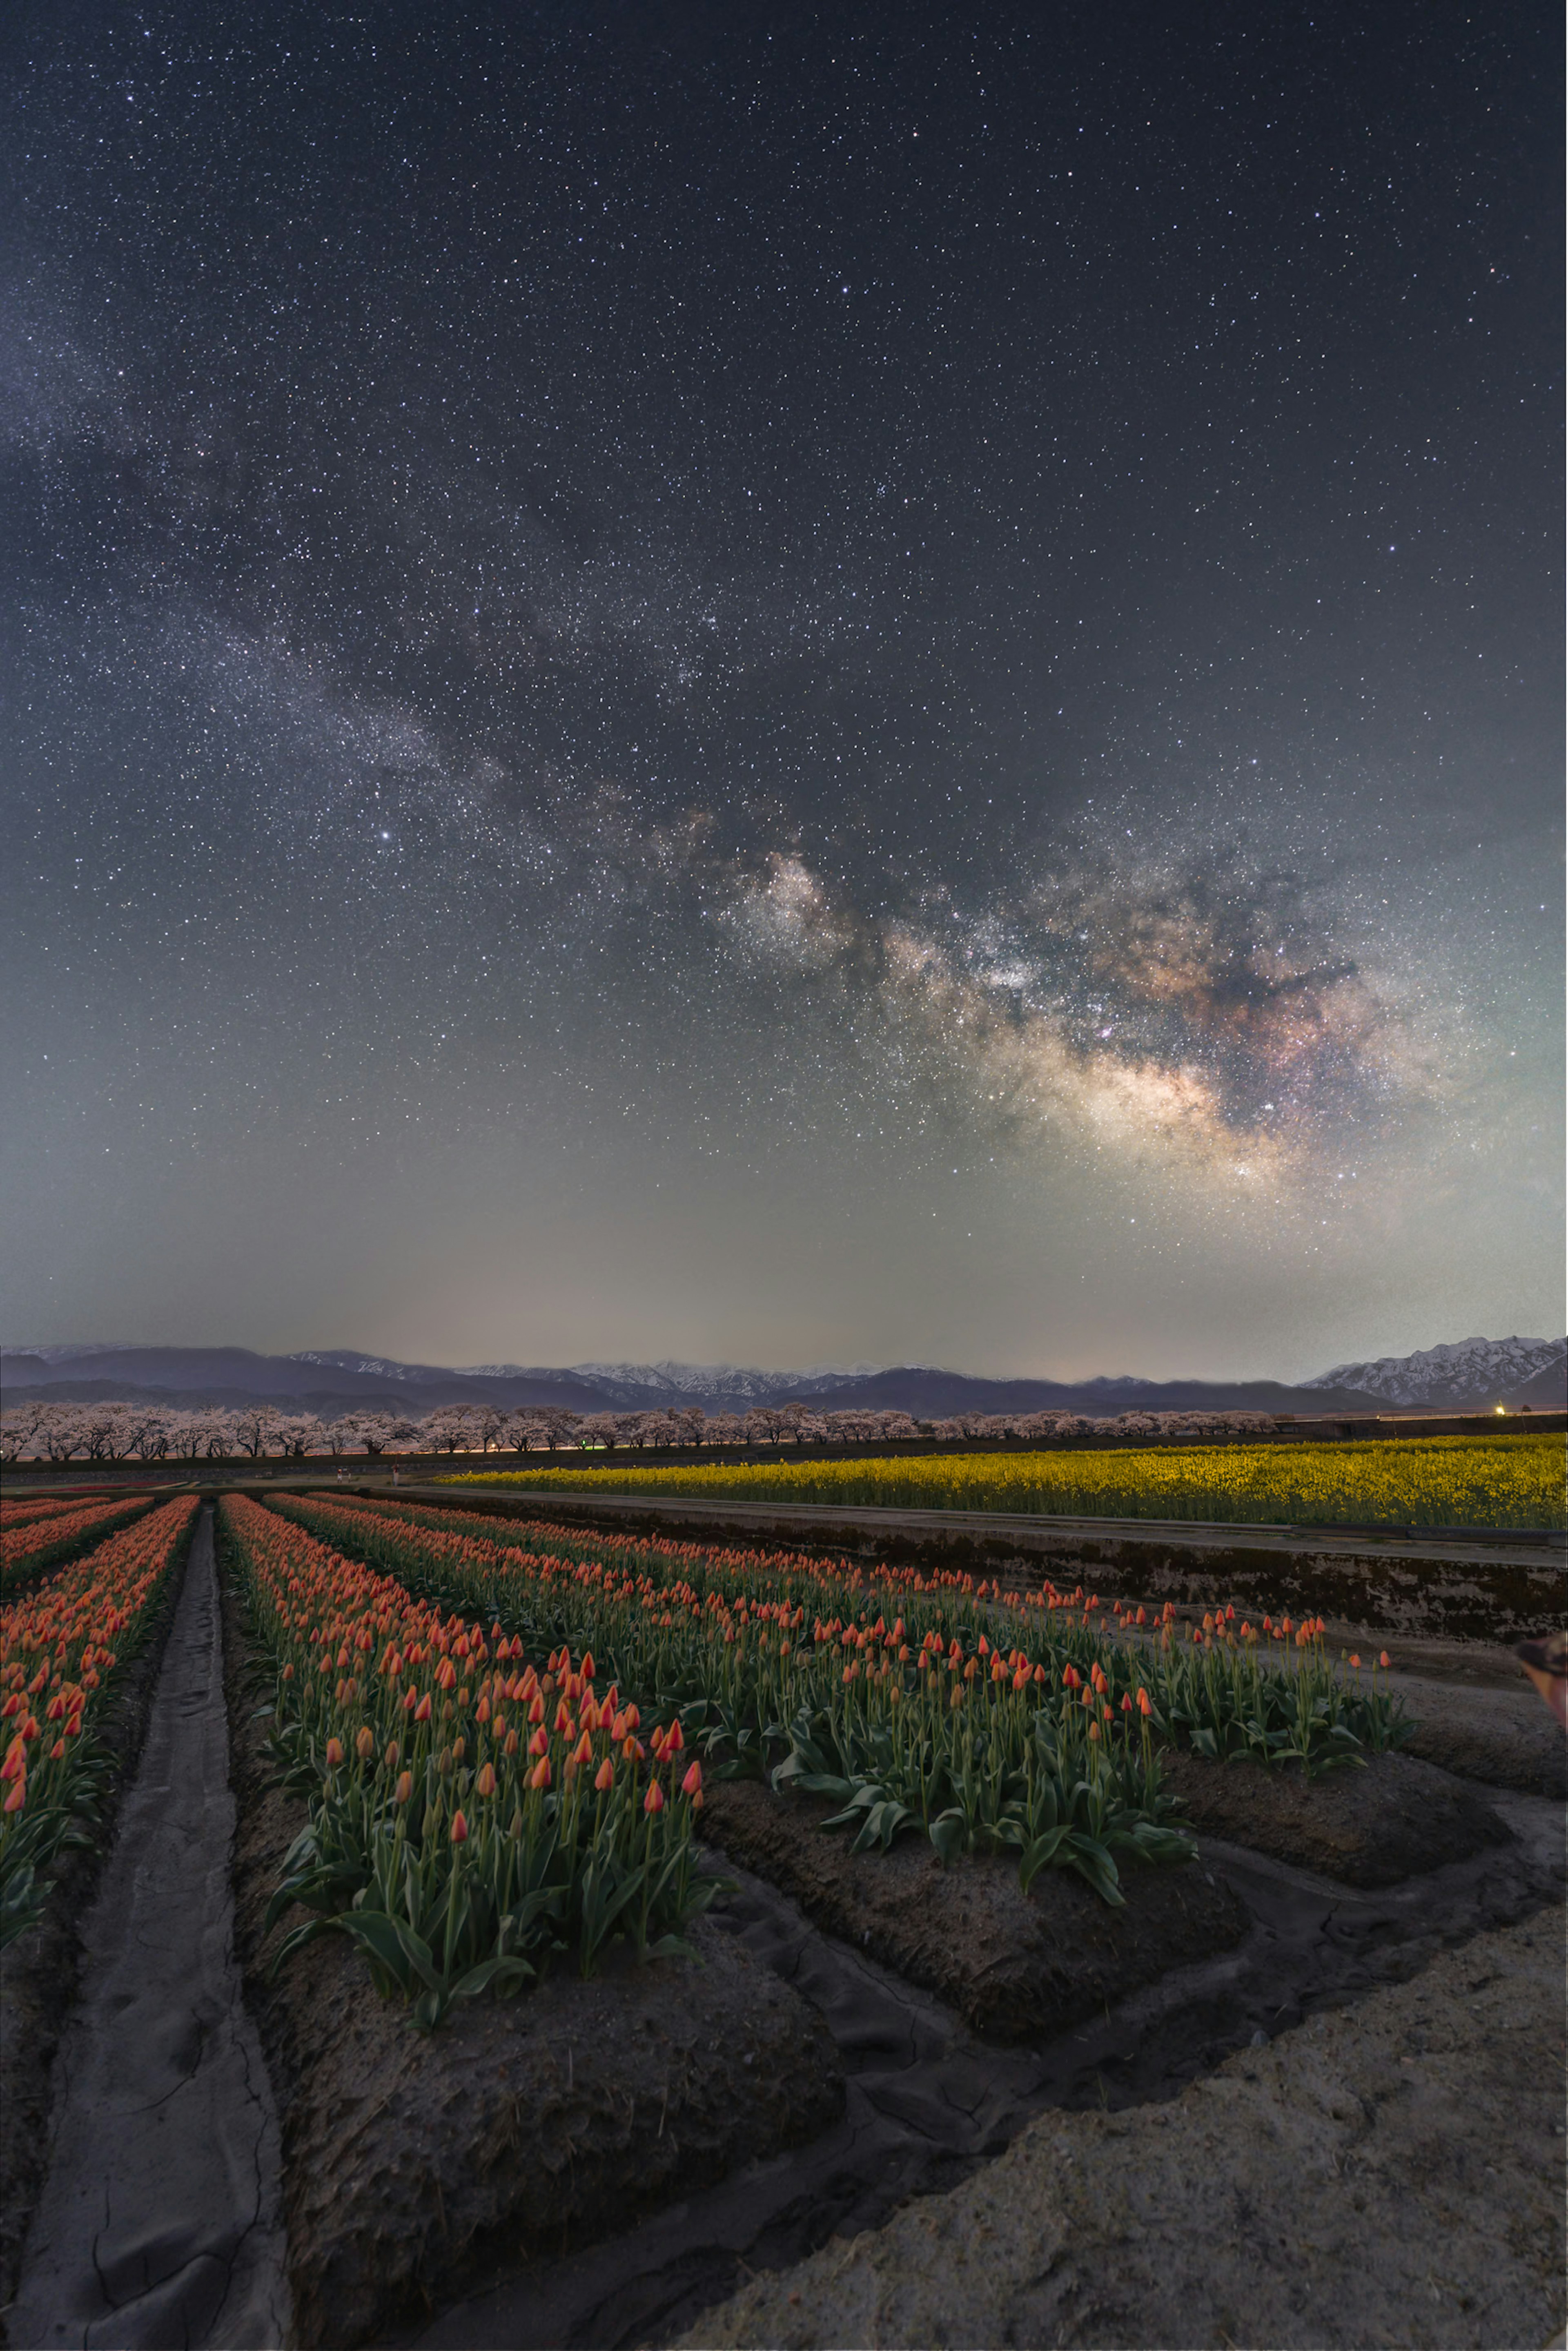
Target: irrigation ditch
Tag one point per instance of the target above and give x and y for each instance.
(602, 2163)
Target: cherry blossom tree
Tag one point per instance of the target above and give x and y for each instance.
(251, 1428)
(451, 1428)
(20, 1430)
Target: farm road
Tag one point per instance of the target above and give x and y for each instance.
(160, 2221)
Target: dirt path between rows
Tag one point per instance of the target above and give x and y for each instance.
(160, 2220)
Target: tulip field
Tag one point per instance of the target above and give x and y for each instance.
(468, 1812)
(920, 1704)
(63, 1650)
(1432, 1481)
(23, 1509)
(29, 1544)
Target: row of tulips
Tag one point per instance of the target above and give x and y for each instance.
(473, 1813)
(29, 1548)
(906, 1720)
(24, 1510)
(63, 1650)
(1269, 1690)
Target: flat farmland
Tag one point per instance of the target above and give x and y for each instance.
(1438, 1481)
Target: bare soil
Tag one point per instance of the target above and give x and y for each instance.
(40, 1972)
(1391, 2173)
(416, 2163)
(1506, 1738)
(1015, 1966)
(1374, 1824)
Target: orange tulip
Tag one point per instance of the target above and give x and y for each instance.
(539, 1776)
(654, 1800)
(1384, 1658)
(484, 1785)
(365, 1743)
(16, 1796)
(604, 1777)
(404, 1789)
(334, 1753)
(459, 1829)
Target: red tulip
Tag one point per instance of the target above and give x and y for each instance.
(654, 1800)
(459, 1829)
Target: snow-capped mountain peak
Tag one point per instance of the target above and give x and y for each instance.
(1468, 1372)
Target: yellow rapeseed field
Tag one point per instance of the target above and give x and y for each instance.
(1430, 1481)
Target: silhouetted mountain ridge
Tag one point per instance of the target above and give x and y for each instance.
(332, 1382)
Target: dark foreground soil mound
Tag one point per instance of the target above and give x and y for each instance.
(1392, 2173)
(40, 1971)
(1505, 1737)
(414, 2164)
(1015, 1966)
(1392, 1818)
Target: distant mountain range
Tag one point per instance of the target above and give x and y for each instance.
(1472, 1370)
(1476, 1372)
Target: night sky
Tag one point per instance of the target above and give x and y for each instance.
(796, 685)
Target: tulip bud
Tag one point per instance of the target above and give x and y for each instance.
(1384, 1658)
(459, 1829)
(484, 1785)
(692, 1784)
(394, 1752)
(511, 1748)
(604, 1777)
(365, 1743)
(654, 1800)
(334, 1753)
(539, 1776)
(404, 1789)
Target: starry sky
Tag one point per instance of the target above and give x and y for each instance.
(795, 684)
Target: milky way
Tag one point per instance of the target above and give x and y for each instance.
(690, 683)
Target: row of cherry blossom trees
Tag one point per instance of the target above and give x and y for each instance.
(155, 1432)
